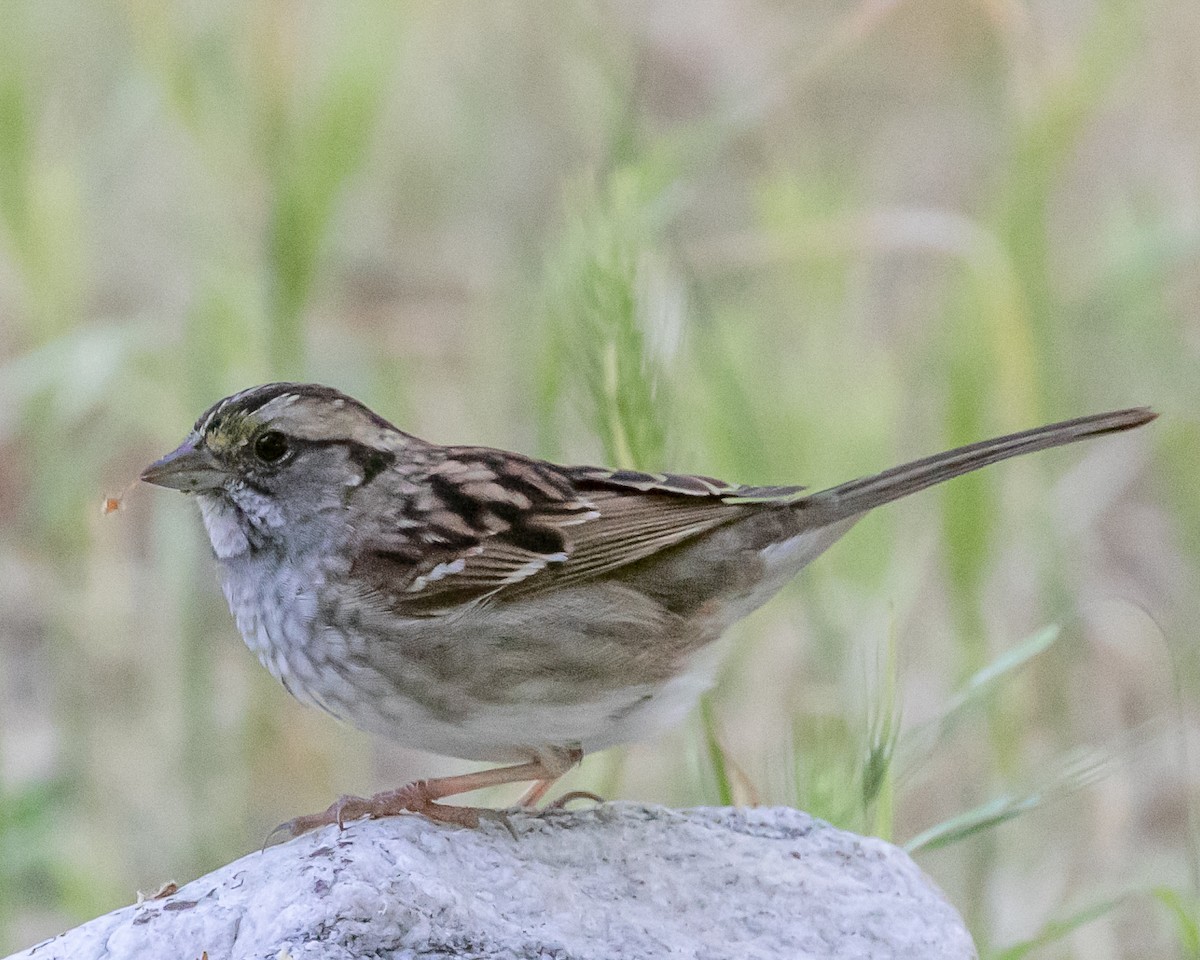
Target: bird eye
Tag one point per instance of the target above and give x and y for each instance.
(271, 447)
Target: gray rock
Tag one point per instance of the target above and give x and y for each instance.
(616, 881)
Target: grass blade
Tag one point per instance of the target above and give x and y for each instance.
(1056, 930)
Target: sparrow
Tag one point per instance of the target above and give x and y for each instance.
(491, 606)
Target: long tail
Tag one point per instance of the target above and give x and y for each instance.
(858, 496)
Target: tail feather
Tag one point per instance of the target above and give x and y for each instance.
(858, 496)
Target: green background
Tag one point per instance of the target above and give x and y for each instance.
(773, 242)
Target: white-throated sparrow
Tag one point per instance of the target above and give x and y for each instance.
(490, 606)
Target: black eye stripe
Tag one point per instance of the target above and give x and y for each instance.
(373, 462)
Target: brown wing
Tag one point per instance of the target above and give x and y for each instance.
(640, 514)
(493, 525)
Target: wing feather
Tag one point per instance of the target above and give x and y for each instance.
(491, 526)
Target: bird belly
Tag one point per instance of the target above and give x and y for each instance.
(512, 731)
(503, 683)
(586, 667)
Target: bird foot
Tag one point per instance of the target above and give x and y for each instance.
(412, 798)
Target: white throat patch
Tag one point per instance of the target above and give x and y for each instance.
(224, 526)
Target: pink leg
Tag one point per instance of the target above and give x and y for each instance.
(533, 796)
(421, 796)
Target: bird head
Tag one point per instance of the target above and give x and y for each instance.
(265, 462)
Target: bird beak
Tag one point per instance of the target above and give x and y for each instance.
(189, 467)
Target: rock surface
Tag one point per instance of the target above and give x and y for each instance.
(617, 881)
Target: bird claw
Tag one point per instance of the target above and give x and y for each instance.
(502, 817)
(412, 798)
(342, 810)
(561, 802)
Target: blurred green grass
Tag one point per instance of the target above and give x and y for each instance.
(769, 243)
